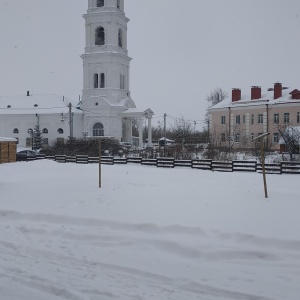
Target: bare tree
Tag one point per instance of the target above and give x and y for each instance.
(215, 97)
(291, 137)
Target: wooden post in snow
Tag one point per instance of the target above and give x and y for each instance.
(261, 139)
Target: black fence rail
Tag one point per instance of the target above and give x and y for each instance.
(270, 168)
(244, 165)
(135, 160)
(290, 167)
(149, 162)
(182, 163)
(285, 167)
(165, 162)
(203, 164)
(224, 166)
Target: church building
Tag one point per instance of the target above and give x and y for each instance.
(106, 108)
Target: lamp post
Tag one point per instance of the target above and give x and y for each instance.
(68, 116)
(85, 134)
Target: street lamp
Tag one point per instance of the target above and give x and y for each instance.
(85, 134)
(69, 117)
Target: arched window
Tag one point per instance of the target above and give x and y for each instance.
(96, 81)
(16, 130)
(120, 38)
(45, 130)
(102, 81)
(60, 130)
(98, 130)
(100, 3)
(100, 36)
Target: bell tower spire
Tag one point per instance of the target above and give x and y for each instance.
(106, 60)
(105, 65)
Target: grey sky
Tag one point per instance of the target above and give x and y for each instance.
(181, 50)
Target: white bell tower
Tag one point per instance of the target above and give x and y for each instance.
(105, 69)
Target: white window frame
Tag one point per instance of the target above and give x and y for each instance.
(286, 118)
(276, 137)
(237, 138)
(223, 119)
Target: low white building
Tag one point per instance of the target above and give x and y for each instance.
(20, 114)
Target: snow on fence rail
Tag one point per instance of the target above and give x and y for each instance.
(285, 167)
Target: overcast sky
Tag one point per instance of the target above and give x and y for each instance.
(181, 50)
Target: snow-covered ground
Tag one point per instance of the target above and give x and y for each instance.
(147, 234)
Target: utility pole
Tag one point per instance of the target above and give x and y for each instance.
(165, 132)
(70, 120)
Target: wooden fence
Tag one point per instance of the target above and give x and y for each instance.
(284, 167)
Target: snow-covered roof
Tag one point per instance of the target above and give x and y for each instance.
(266, 98)
(6, 139)
(35, 103)
(138, 112)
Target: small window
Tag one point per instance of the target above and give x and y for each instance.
(45, 142)
(100, 36)
(30, 131)
(223, 137)
(237, 138)
(118, 4)
(260, 119)
(100, 3)
(120, 38)
(252, 119)
(96, 81)
(16, 130)
(60, 130)
(17, 140)
(35, 105)
(276, 137)
(244, 119)
(252, 136)
(286, 118)
(102, 81)
(28, 142)
(96, 103)
(276, 118)
(298, 117)
(223, 119)
(45, 131)
(238, 119)
(8, 106)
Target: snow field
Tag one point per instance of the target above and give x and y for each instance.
(148, 233)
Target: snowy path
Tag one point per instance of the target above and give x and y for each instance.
(72, 254)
